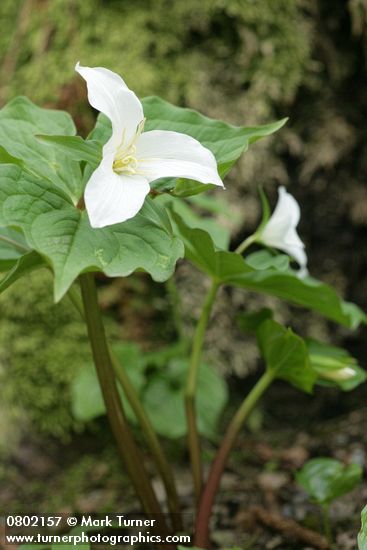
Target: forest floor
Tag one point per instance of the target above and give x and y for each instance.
(260, 506)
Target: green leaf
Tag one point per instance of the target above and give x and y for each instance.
(362, 535)
(326, 479)
(62, 234)
(164, 400)
(231, 268)
(24, 265)
(6, 158)
(12, 247)
(251, 321)
(86, 396)
(263, 259)
(308, 292)
(219, 233)
(330, 364)
(20, 122)
(75, 147)
(226, 142)
(285, 355)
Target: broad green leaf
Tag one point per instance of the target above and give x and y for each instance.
(231, 268)
(164, 400)
(219, 233)
(226, 142)
(334, 366)
(362, 535)
(326, 479)
(61, 233)
(20, 122)
(251, 321)
(308, 292)
(86, 396)
(263, 259)
(200, 249)
(12, 247)
(87, 401)
(25, 264)
(159, 358)
(285, 355)
(6, 158)
(75, 147)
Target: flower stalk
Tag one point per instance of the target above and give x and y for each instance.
(124, 439)
(151, 438)
(220, 461)
(153, 444)
(191, 389)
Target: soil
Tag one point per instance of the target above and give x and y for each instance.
(260, 506)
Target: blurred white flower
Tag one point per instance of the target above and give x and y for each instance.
(280, 230)
(338, 375)
(133, 158)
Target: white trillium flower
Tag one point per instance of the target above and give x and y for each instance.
(133, 158)
(339, 375)
(280, 231)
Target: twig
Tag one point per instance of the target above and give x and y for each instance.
(290, 528)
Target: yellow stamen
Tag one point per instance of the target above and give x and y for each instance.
(125, 161)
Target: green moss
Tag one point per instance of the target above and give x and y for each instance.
(42, 345)
(252, 51)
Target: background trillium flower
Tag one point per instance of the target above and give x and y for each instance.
(280, 231)
(133, 158)
(339, 375)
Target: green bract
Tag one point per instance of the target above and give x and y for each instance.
(326, 479)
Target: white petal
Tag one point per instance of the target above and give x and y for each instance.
(111, 198)
(296, 252)
(285, 216)
(108, 93)
(163, 154)
(280, 231)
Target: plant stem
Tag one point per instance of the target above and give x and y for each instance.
(219, 463)
(246, 243)
(174, 298)
(326, 522)
(152, 442)
(150, 436)
(190, 390)
(125, 442)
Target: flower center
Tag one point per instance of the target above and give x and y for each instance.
(125, 161)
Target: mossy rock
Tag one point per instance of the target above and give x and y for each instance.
(243, 53)
(42, 346)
